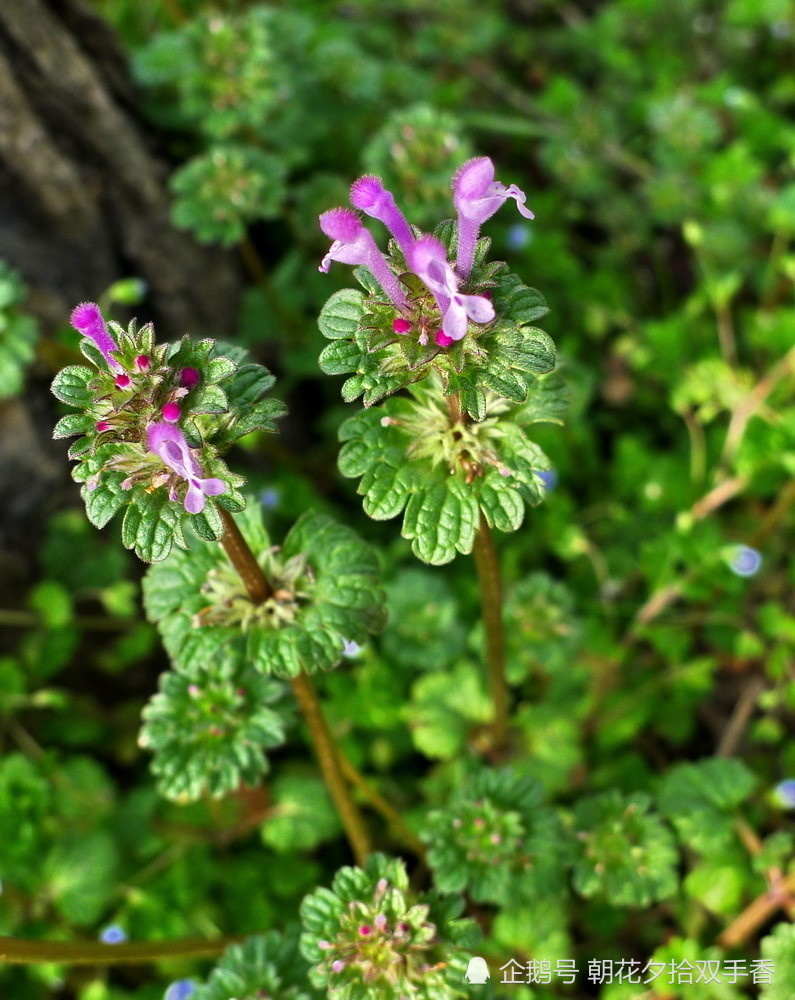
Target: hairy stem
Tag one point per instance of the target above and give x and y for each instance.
(488, 570)
(242, 558)
(399, 827)
(259, 590)
(330, 766)
(17, 951)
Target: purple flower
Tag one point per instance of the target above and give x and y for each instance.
(428, 259)
(353, 244)
(181, 989)
(169, 444)
(745, 561)
(87, 320)
(112, 934)
(189, 377)
(370, 196)
(477, 197)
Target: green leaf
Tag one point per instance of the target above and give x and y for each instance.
(446, 708)
(152, 525)
(209, 399)
(778, 952)
(209, 731)
(302, 816)
(441, 520)
(515, 300)
(73, 423)
(340, 316)
(103, 502)
(340, 357)
(699, 800)
(70, 386)
(502, 505)
(80, 873)
(624, 852)
(504, 382)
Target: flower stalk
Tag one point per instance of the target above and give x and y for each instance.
(259, 589)
(488, 570)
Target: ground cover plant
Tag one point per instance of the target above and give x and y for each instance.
(468, 668)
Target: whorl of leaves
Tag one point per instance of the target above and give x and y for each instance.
(210, 732)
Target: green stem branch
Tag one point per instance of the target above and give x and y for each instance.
(17, 951)
(259, 590)
(488, 570)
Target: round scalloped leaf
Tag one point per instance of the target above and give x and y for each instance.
(625, 853)
(326, 593)
(341, 315)
(497, 840)
(209, 733)
(266, 965)
(403, 453)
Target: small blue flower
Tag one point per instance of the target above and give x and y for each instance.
(112, 934)
(269, 498)
(518, 236)
(744, 561)
(549, 477)
(351, 649)
(783, 794)
(181, 989)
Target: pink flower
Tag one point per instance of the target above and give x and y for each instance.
(353, 244)
(428, 260)
(477, 197)
(87, 320)
(169, 444)
(370, 195)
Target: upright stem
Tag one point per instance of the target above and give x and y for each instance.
(330, 766)
(242, 558)
(488, 570)
(259, 589)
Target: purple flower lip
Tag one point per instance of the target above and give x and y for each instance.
(169, 444)
(428, 260)
(477, 196)
(353, 244)
(87, 319)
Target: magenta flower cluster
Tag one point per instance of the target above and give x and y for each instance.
(476, 196)
(163, 437)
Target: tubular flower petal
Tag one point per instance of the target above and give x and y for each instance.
(428, 260)
(87, 320)
(477, 197)
(353, 244)
(370, 196)
(169, 444)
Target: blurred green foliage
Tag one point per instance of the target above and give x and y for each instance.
(653, 686)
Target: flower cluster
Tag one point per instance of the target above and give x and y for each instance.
(365, 932)
(496, 840)
(152, 424)
(476, 196)
(145, 397)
